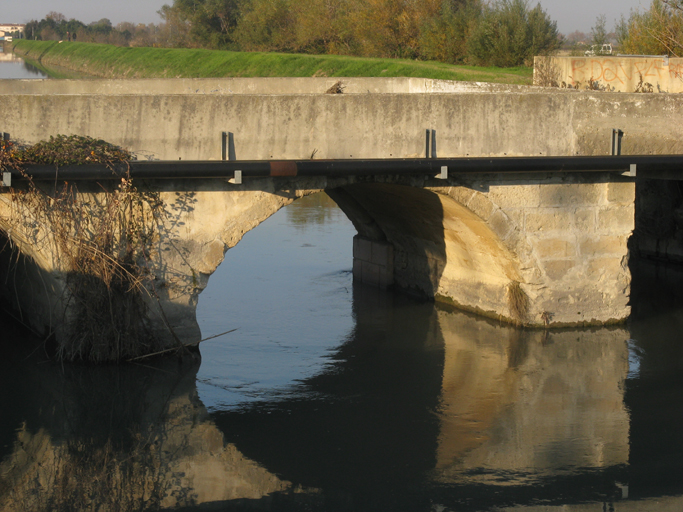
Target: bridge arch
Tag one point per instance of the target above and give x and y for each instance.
(434, 245)
(549, 250)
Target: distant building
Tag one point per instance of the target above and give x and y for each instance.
(6, 30)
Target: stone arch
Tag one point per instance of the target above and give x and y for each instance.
(453, 244)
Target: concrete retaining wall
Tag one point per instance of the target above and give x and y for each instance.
(620, 73)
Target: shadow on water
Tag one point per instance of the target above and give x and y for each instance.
(427, 408)
(654, 394)
(417, 409)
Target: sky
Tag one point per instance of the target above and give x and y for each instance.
(570, 15)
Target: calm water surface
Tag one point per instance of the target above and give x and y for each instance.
(12, 66)
(333, 396)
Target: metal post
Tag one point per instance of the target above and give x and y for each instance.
(430, 144)
(228, 146)
(616, 141)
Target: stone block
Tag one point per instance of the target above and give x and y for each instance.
(574, 194)
(617, 219)
(461, 194)
(558, 269)
(501, 224)
(362, 248)
(584, 219)
(608, 267)
(382, 253)
(548, 219)
(515, 196)
(555, 248)
(621, 192)
(604, 245)
(481, 206)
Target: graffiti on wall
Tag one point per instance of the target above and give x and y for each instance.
(622, 72)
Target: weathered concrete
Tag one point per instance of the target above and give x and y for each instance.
(189, 126)
(462, 240)
(231, 86)
(620, 73)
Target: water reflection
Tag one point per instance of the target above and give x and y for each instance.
(13, 67)
(116, 438)
(419, 403)
(408, 407)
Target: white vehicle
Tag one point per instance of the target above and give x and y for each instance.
(605, 49)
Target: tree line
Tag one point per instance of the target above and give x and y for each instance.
(490, 33)
(656, 31)
(500, 33)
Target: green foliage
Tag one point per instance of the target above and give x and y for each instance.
(657, 31)
(500, 32)
(510, 34)
(266, 25)
(115, 62)
(205, 23)
(599, 31)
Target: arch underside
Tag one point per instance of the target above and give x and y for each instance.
(441, 249)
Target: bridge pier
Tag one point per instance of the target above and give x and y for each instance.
(373, 262)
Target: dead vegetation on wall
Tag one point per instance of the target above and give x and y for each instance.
(100, 238)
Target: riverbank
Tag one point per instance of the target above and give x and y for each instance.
(107, 61)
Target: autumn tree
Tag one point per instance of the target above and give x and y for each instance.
(201, 23)
(657, 31)
(599, 31)
(511, 34)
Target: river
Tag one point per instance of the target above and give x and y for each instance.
(334, 396)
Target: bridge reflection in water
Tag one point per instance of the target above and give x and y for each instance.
(419, 409)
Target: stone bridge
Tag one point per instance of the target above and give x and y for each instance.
(535, 248)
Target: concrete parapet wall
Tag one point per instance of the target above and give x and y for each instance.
(188, 127)
(621, 73)
(231, 86)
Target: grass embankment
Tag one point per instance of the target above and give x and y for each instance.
(109, 61)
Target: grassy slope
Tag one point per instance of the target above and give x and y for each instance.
(121, 62)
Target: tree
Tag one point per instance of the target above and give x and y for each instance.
(599, 31)
(510, 34)
(444, 38)
(57, 17)
(203, 23)
(656, 31)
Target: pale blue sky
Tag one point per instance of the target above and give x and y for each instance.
(570, 14)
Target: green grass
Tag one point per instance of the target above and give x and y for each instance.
(121, 62)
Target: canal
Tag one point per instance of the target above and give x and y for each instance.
(334, 396)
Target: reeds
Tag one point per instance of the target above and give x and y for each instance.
(101, 239)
